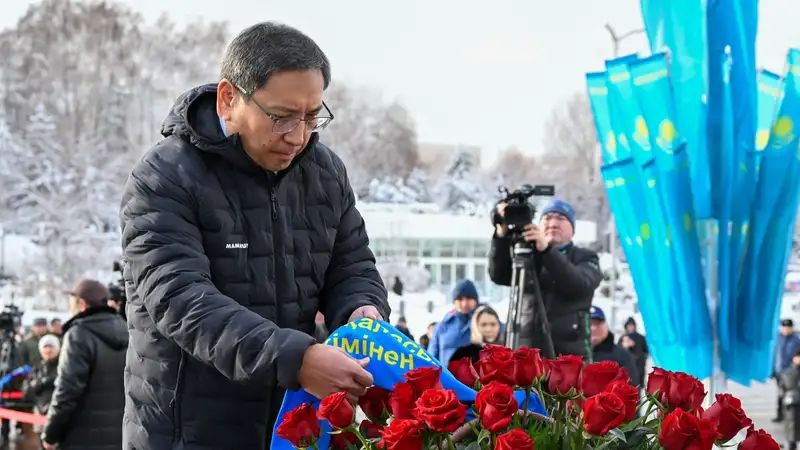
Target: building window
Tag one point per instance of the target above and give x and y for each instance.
(412, 248)
(480, 249)
(461, 271)
(447, 275)
(432, 278)
(446, 249)
(480, 274)
(429, 249)
(464, 249)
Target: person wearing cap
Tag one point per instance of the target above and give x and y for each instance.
(89, 396)
(453, 332)
(568, 276)
(636, 344)
(604, 347)
(29, 350)
(787, 344)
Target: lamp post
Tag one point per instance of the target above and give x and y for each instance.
(616, 39)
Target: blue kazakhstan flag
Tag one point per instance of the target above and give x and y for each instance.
(646, 217)
(391, 355)
(652, 88)
(773, 223)
(679, 26)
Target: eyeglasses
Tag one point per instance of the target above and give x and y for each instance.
(285, 125)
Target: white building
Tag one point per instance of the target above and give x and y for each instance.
(450, 247)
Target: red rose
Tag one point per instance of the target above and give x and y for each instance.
(424, 378)
(496, 406)
(373, 403)
(685, 431)
(603, 412)
(441, 410)
(401, 401)
(403, 434)
(337, 410)
(341, 440)
(628, 394)
(515, 439)
(300, 426)
(463, 371)
(728, 416)
(370, 430)
(565, 372)
(758, 440)
(597, 376)
(528, 366)
(496, 364)
(685, 392)
(658, 383)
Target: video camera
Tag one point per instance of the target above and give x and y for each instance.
(10, 319)
(519, 211)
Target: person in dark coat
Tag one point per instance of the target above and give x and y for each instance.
(604, 348)
(402, 326)
(237, 228)
(568, 276)
(89, 398)
(787, 344)
(636, 344)
(790, 401)
(397, 287)
(40, 383)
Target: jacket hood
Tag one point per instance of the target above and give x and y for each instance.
(194, 119)
(103, 322)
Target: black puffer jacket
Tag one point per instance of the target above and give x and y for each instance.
(568, 279)
(89, 398)
(226, 266)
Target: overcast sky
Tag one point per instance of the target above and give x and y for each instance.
(469, 72)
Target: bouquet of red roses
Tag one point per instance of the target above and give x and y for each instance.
(590, 406)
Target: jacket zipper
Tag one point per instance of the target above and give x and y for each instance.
(175, 403)
(274, 200)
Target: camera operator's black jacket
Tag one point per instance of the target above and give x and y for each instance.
(89, 398)
(226, 267)
(568, 278)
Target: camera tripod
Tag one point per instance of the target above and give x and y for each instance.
(522, 267)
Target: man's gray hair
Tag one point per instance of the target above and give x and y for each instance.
(267, 48)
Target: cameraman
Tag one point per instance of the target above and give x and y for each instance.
(568, 276)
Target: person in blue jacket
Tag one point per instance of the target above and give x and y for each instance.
(786, 346)
(453, 331)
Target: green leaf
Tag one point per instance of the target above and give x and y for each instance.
(618, 435)
(484, 435)
(636, 440)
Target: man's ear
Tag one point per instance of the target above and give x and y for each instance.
(83, 305)
(226, 96)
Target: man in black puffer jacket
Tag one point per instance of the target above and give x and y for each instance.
(568, 276)
(237, 229)
(89, 397)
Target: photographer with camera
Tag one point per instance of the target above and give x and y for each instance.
(567, 276)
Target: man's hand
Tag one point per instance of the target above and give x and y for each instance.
(47, 446)
(533, 232)
(366, 311)
(327, 370)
